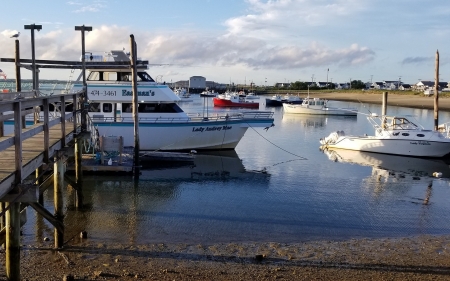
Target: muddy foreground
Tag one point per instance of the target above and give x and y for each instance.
(413, 258)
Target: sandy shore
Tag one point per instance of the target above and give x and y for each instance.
(414, 258)
(406, 100)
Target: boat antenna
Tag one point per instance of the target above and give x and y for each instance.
(365, 107)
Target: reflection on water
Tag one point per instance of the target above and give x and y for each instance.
(177, 202)
(393, 173)
(217, 165)
(392, 165)
(314, 121)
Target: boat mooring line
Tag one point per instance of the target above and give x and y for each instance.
(301, 157)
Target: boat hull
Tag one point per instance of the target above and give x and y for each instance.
(206, 135)
(300, 109)
(271, 102)
(406, 147)
(228, 103)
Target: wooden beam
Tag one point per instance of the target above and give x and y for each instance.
(48, 216)
(22, 193)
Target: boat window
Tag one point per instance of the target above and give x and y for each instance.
(94, 76)
(127, 107)
(110, 76)
(124, 76)
(94, 107)
(420, 135)
(107, 107)
(144, 76)
(405, 134)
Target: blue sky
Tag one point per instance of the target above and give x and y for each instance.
(243, 41)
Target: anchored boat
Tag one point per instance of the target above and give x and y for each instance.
(163, 125)
(393, 135)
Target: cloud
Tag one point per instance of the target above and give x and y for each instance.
(198, 49)
(96, 6)
(417, 60)
(275, 18)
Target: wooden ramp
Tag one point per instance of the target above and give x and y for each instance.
(32, 154)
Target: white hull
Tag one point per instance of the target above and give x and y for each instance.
(409, 147)
(301, 109)
(208, 135)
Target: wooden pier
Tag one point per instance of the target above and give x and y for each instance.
(26, 154)
(34, 155)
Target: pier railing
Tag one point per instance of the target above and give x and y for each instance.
(23, 147)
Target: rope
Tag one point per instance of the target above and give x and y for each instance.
(301, 157)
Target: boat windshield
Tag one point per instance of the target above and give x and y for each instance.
(400, 123)
(144, 76)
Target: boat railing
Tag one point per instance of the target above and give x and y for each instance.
(444, 129)
(231, 117)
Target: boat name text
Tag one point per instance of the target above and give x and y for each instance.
(420, 142)
(140, 93)
(210, 129)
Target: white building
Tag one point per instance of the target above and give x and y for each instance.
(197, 83)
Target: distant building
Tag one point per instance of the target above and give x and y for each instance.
(423, 86)
(405, 87)
(197, 84)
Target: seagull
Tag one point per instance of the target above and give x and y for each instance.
(15, 35)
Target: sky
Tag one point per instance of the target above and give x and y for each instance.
(242, 41)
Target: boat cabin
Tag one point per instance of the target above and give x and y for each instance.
(399, 123)
(117, 76)
(314, 102)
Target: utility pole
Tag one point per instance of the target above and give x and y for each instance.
(33, 27)
(83, 61)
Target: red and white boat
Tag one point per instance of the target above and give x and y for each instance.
(234, 101)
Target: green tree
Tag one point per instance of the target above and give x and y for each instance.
(357, 84)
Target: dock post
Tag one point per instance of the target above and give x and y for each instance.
(58, 183)
(13, 241)
(436, 93)
(135, 105)
(18, 80)
(384, 108)
(78, 172)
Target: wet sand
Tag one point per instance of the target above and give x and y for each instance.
(408, 258)
(412, 258)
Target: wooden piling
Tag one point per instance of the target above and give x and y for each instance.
(135, 105)
(78, 172)
(436, 93)
(384, 108)
(58, 184)
(18, 79)
(13, 241)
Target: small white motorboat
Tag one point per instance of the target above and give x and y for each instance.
(393, 135)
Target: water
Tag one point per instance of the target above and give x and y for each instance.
(277, 186)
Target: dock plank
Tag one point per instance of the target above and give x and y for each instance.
(32, 154)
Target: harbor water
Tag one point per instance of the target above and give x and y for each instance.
(278, 185)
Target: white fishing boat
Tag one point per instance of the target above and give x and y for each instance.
(183, 95)
(393, 135)
(163, 125)
(251, 96)
(317, 106)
